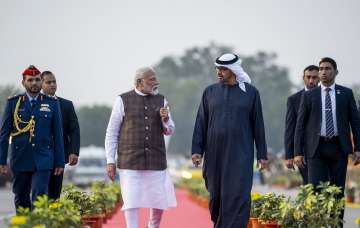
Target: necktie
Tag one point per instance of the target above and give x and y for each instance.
(328, 115)
(33, 103)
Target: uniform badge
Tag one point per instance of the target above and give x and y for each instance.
(45, 109)
(338, 91)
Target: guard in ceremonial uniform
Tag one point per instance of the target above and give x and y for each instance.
(33, 122)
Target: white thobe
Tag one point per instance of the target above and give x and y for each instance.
(139, 188)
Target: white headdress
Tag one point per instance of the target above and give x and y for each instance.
(233, 63)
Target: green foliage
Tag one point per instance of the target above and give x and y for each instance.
(310, 208)
(102, 198)
(195, 186)
(321, 208)
(184, 78)
(356, 90)
(84, 203)
(93, 121)
(256, 202)
(67, 211)
(47, 213)
(286, 217)
(105, 196)
(270, 207)
(5, 92)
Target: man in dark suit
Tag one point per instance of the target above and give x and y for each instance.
(71, 131)
(326, 118)
(33, 122)
(311, 80)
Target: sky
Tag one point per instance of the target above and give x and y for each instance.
(95, 46)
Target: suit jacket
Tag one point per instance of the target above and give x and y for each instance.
(71, 128)
(46, 149)
(293, 104)
(308, 126)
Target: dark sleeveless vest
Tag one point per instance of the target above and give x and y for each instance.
(141, 141)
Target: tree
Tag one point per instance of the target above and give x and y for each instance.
(93, 122)
(184, 78)
(356, 90)
(5, 92)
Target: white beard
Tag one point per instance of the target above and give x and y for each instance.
(155, 91)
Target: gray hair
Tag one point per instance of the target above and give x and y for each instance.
(139, 74)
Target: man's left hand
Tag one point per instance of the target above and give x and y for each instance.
(356, 157)
(58, 171)
(164, 113)
(73, 159)
(262, 164)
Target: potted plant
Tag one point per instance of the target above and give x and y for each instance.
(90, 214)
(350, 194)
(270, 209)
(256, 202)
(287, 212)
(318, 209)
(48, 213)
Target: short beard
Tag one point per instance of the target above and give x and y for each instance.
(154, 91)
(33, 90)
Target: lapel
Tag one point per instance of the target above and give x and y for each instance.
(338, 102)
(318, 105)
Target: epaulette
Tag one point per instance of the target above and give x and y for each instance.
(45, 96)
(14, 97)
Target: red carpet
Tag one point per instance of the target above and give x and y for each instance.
(186, 215)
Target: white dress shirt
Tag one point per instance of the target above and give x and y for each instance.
(333, 106)
(113, 129)
(31, 98)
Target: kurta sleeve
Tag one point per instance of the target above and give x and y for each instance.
(113, 130)
(169, 126)
(200, 128)
(259, 128)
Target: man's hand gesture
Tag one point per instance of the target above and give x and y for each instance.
(164, 113)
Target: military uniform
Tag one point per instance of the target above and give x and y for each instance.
(34, 125)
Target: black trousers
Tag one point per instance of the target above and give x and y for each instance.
(304, 174)
(328, 164)
(26, 183)
(55, 186)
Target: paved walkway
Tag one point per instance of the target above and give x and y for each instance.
(186, 215)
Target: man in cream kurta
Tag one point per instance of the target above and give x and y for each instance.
(139, 120)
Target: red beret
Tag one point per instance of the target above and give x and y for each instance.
(31, 71)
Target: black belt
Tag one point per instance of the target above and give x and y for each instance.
(329, 139)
